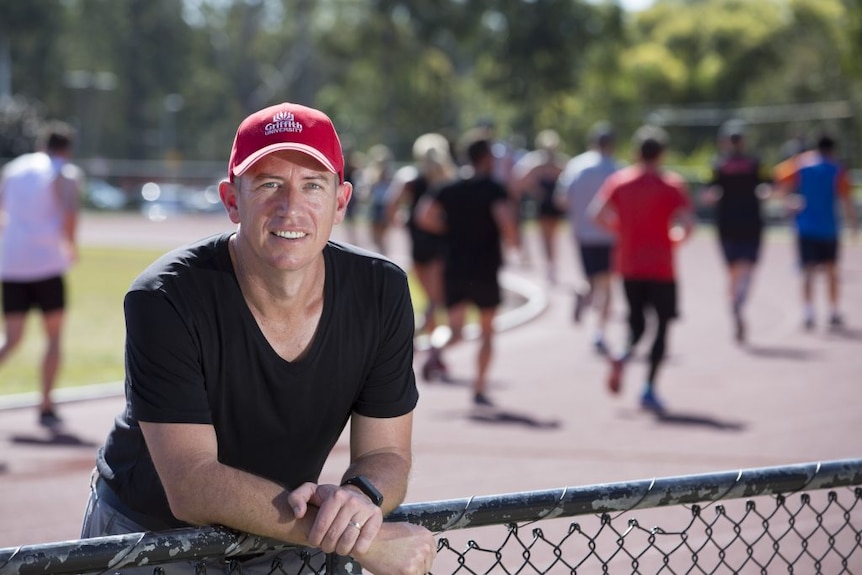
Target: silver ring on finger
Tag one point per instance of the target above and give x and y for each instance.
(356, 524)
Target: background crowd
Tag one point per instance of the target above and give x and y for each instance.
(633, 240)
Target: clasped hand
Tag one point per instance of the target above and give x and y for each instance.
(348, 523)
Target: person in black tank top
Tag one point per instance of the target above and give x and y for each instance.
(433, 166)
(737, 188)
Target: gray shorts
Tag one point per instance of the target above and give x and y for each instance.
(101, 519)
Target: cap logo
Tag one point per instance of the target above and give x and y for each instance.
(282, 122)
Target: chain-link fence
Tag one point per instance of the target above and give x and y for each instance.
(803, 518)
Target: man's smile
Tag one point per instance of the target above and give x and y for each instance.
(291, 235)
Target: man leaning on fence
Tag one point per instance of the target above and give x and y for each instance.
(246, 355)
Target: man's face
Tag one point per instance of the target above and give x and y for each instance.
(286, 204)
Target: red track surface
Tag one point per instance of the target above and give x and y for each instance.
(787, 397)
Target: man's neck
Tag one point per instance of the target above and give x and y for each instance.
(269, 290)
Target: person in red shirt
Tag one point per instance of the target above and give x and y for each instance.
(649, 210)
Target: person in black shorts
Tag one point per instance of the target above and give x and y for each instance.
(475, 214)
(649, 209)
(247, 354)
(577, 187)
(738, 186)
(433, 167)
(38, 219)
(817, 188)
(535, 176)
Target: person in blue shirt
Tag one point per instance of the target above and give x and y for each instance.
(819, 183)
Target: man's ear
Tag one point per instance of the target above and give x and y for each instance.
(228, 192)
(342, 197)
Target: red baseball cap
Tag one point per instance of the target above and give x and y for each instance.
(286, 126)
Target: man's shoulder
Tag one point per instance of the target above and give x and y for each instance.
(672, 177)
(626, 175)
(582, 161)
(27, 162)
(455, 189)
(589, 163)
(456, 184)
(181, 264)
(72, 173)
(352, 256)
(527, 162)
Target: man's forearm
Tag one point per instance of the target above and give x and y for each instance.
(388, 472)
(215, 494)
(70, 227)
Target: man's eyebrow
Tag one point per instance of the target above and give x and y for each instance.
(265, 176)
(310, 175)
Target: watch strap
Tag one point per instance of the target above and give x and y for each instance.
(365, 486)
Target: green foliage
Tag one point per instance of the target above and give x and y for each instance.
(714, 48)
(388, 70)
(31, 30)
(20, 120)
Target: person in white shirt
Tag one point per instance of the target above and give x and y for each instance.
(577, 186)
(39, 195)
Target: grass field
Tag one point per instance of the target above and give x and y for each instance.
(94, 333)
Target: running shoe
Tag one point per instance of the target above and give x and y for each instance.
(600, 347)
(836, 321)
(481, 400)
(49, 418)
(650, 402)
(580, 305)
(435, 370)
(739, 326)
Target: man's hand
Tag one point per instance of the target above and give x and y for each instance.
(347, 521)
(71, 251)
(396, 548)
(794, 203)
(400, 548)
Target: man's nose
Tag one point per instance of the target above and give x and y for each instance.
(286, 198)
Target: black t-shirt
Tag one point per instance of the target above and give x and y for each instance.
(738, 215)
(195, 354)
(472, 235)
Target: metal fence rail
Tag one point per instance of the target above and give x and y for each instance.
(804, 518)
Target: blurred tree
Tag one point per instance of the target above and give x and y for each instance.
(20, 120)
(391, 64)
(723, 54)
(129, 74)
(128, 56)
(531, 55)
(703, 50)
(30, 30)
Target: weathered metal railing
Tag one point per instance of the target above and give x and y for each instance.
(835, 529)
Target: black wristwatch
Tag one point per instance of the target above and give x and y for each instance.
(361, 482)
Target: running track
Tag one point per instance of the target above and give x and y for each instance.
(787, 397)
